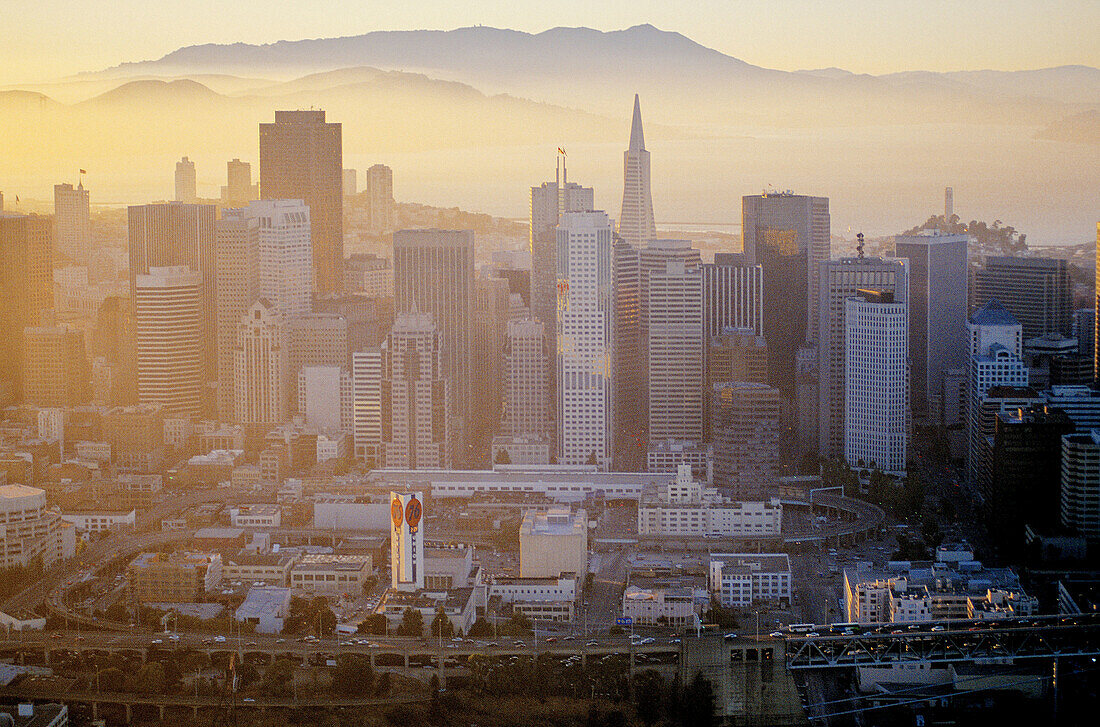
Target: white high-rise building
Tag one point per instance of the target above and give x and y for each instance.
(586, 307)
(876, 411)
(366, 378)
(72, 221)
(525, 365)
(168, 338)
(260, 367)
(839, 281)
(672, 331)
(416, 427)
(286, 254)
(236, 272)
(996, 345)
(325, 397)
(636, 223)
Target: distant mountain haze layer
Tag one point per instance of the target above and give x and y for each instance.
(683, 81)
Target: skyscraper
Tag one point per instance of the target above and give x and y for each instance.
(876, 410)
(628, 360)
(239, 189)
(525, 373)
(350, 181)
(380, 203)
(301, 157)
(1080, 490)
(788, 235)
(168, 337)
(745, 432)
(415, 418)
(733, 295)
(586, 309)
(72, 222)
(186, 190)
(260, 378)
(55, 367)
(286, 267)
(636, 223)
(433, 272)
(1096, 307)
(237, 286)
(1037, 291)
(175, 234)
(672, 337)
(316, 339)
(366, 383)
(840, 280)
(548, 202)
(937, 314)
(490, 325)
(995, 363)
(26, 289)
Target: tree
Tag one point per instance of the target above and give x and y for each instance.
(698, 703)
(373, 624)
(519, 625)
(111, 679)
(503, 457)
(441, 625)
(382, 688)
(353, 676)
(149, 679)
(277, 678)
(480, 628)
(412, 623)
(648, 688)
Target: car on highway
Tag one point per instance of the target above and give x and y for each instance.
(777, 634)
(158, 641)
(592, 643)
(219, 639)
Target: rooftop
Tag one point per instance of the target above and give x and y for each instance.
(993, 314)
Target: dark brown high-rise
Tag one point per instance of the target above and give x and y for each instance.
(301, 157)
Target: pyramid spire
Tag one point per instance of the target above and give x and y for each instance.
(637, 140)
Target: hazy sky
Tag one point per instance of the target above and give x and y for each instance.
(48, 38)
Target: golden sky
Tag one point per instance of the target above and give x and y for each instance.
(46, 39)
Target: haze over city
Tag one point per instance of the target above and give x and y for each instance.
(503, 364)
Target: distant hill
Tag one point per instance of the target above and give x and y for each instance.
(680, 80)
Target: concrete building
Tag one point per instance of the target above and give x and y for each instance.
(521, 450)
(840, 280)
(684, 506)
(237, 287)
(72, 222)
(996, 346)
(552, 542)
(301, 158)
(327, 574)
(29, 532)
(366, 383)
(287, 262)
(1080, 483)
(98, 521)
(168, 317)
(173, 578)
(548, 202)
(257, 515)
(740, 580)
(265, 608)
(745, 437)
(526, 384)
(916, 591)
(378, 189)
(788, 235)
(636, 223)
(433, 273)
(585, 414)
(368, 274)
(670, 607)
(629, 358)
(559, 483)
(416, 417)
(55, 367)
(325, 398)
(671, 329)
(239, 189)
(491, 317)
(175, 235)
(272, 569)
(937, 314)
(876, 392)
(1037, 292)
(260, 368)
(668, 455)
(185, 181)
(733, 295)
(26, 289)
(542, 599)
